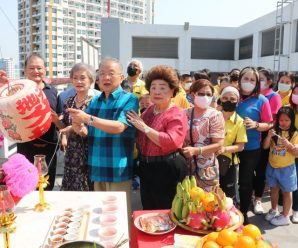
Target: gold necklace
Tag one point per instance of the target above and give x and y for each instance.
(80, 101)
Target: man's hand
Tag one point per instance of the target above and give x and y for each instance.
(3, 77)
(189, 151)
(78, 116)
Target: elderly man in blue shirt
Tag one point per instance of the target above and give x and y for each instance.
(110, 136)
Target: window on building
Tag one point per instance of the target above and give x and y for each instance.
(212, 49)
(245, 47)
(296, 50)
(154, 47)
(268, 39)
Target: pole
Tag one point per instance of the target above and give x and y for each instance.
(109, 8)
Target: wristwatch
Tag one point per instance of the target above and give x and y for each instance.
(146, 130)
(90, 121)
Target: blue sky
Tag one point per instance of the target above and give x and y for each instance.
(197, 12)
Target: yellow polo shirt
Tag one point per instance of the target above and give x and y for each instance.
(279, 157)
(235, 132)
(181, 101)
(139, 89)
(286, 100)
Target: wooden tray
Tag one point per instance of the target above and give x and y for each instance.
(82, 229)
(204, 232)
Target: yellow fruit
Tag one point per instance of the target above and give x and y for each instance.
(252, 231)
(212, 236)
(245, 242)
(210, 244)
(262, 244)
(208, 202)
(226, 237)
(196, 193)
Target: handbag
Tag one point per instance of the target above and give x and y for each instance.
(224, 163)
(206, 177)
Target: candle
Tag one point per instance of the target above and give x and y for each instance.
(39, 167)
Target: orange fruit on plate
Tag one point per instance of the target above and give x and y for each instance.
(262, 244)
(245, 242)
(212, 236)
(226, 237)
(210, 244)
(252, 231)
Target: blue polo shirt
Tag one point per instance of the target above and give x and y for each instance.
(110, 156)
(258, 109)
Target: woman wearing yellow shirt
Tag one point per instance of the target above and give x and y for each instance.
(281, 169)
(235, 138)
(285, 84)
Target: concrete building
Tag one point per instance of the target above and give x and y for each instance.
(53, 28)
(8, 65)
(190, 48)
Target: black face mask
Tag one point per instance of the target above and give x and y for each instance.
(234, 78)
(228, 106)
(131, 71)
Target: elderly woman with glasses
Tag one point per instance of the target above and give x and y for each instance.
(162, 129)
(205, 135)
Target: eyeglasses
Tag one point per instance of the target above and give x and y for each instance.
(203, 94)
(110, 74)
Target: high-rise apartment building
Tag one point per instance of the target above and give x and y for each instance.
(8, 65)
(53, 28)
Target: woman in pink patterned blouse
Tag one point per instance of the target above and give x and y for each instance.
(162, 129)
(205, 134)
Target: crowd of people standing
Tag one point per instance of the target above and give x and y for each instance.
(236, 132)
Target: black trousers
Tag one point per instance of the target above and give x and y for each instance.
(260, 173)
(29, 151)
(228, 182)
(248, 161)
(158, 181)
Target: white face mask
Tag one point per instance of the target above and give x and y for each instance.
(284, 87)
(264, 86)
(218, 81)
(295, 99)
(247, 86)
(187, 85)
(202, 102)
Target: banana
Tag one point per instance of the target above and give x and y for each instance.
(179, 189)
(186, 196)
(178, 208)
(186, 183)
(185, 210)
(193, 182)
(173, 203)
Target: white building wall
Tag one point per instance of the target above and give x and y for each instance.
(8, 65)
(184, 63)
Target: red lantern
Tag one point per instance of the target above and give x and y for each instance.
(25, 112)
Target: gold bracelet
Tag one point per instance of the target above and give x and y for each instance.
(200, 151)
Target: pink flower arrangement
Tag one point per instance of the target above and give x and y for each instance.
(20, 176)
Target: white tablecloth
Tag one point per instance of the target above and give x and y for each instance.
(32, 227)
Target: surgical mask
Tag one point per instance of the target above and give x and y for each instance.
(218, 81)
(295, 99)
(131, 71)
(263, 85)
(202, 102)
(284, 87)
(187, 85)
(247, 86)
(229, 106)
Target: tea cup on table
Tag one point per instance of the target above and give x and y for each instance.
(109, 199)
(109, 209)
(107, 233)
(108, 219)
(56, 240)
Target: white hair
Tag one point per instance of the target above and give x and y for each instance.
(138, 62)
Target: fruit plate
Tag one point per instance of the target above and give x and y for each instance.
(137, 224)
(205, 232)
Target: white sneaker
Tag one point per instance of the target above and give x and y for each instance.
(280, 220)
(295, 217)
(258, 208)
(271, 214)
